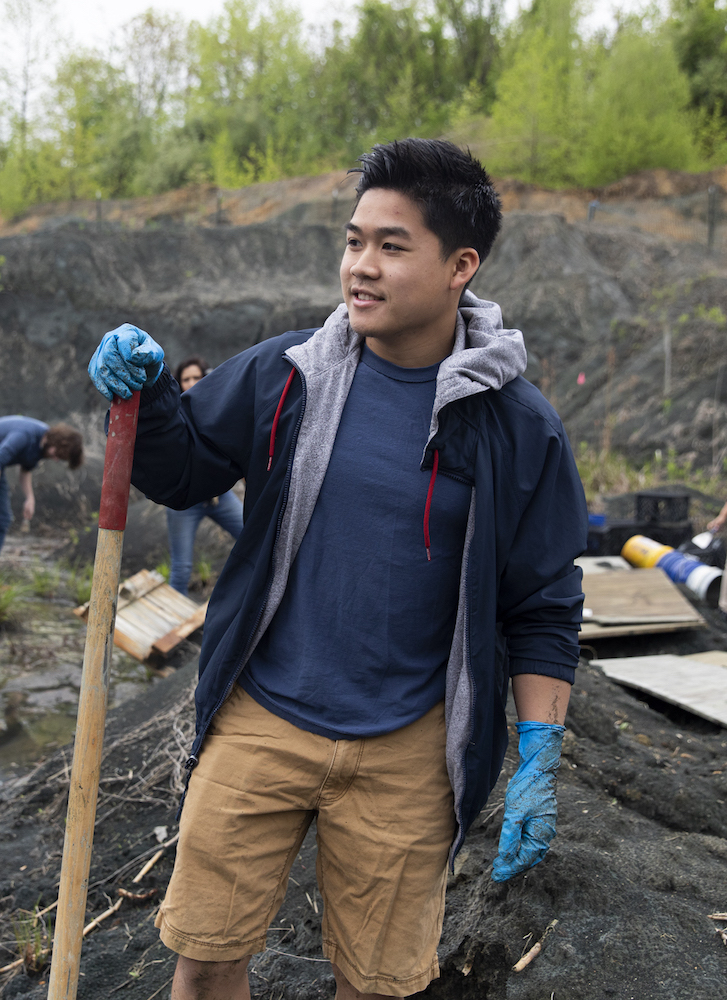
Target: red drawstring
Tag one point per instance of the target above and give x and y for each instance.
(428, 504)
(276, 418)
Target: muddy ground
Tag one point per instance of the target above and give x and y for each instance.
(632, 878)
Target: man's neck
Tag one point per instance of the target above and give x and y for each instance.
(412, 352)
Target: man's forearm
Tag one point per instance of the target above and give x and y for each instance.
(26, 484)
(540, 699)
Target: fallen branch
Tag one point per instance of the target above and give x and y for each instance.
(137, 897)
(102, 916)
(153, 860)
(534, 951)
(13, 965)
(718, 916)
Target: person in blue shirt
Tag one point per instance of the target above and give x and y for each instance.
(412, 515)
(225, 510)
(24, 442)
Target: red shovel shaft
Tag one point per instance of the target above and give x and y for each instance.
(88, 744)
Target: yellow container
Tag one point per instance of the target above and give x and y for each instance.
(644, 552)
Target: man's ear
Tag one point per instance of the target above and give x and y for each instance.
(465, 264)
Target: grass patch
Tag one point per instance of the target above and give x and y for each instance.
(11, 595)
(80, 578)
(45, 580)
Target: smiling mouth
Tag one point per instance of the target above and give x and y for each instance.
(363, 296)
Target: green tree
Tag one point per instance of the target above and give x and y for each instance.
(699, 30)
(537, 117)
(97, 129)
(637, 111)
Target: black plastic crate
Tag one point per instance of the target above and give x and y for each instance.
(608, 539)
(672, 508)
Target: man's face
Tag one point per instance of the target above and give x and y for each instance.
(395, 283)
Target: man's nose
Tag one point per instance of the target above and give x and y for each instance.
(366, 265)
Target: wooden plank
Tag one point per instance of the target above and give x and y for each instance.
(590, 632)
(145, 619)
(602, 564)
(140, 651)
(716, 656)
(645, 595)
(171, 603)
(140, 584)
(174, 637)
(134, 632)
(691, 684)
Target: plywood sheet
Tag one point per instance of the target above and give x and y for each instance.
(602, 564)
(685, 681)
(645, 600)
(716, 656)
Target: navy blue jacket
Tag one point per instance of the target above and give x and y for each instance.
(523, 594)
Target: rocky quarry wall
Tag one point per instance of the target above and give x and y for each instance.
(590, 298)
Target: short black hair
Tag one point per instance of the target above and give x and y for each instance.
(456, 196)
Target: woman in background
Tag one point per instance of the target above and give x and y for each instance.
(182, 524)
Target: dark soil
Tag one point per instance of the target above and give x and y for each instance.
(636, 870)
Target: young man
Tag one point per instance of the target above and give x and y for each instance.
(24, 442)
(411, 518)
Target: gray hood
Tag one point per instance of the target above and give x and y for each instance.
(485, 356)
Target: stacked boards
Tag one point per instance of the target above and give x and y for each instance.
(151, 616)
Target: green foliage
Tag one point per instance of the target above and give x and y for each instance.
(637, 111)
(11, 594)
(164, 570)
(605, 472)
(609, 472)
(250, 95)
(45, 579)
(698, 29)
(32, 939)
(80, 580)
(203, 569)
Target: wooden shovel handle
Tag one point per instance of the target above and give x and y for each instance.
(88, 743)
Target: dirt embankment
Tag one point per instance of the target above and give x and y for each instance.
(594, 301)
(632, 878)
(327, 198)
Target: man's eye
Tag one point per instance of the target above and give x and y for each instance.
(352, 242)
(392, 246)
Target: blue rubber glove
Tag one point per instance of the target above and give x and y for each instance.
(530, 806)
(126, 360)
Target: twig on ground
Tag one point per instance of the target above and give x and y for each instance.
(137, 897)
(534, 951)
(301, 958)
(153, 860)
(103, 916)
(157, 992)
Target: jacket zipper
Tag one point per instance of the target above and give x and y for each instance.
(456, 847)
(193, 759)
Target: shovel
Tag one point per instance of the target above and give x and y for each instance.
(88, 745)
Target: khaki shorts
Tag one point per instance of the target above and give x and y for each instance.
(385, 822)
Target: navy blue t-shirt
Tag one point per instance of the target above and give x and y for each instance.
(360, 642)
(20, 439)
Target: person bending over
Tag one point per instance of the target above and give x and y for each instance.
(24, 442)
(412, 514)
(225, 510)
